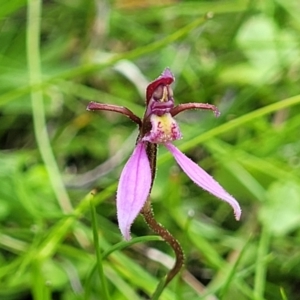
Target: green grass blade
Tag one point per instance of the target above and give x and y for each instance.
(261, 263)
(38, 112)
(99, 264)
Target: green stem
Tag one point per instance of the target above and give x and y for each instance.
(40, 290)
(98, 253)
(38, 111)
(261, 264)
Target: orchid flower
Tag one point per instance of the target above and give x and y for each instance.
(158, 127)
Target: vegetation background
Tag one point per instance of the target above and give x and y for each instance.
(57, 55)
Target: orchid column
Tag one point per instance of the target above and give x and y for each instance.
(158, 127)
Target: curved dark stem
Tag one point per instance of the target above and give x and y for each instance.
(151, 150)
(168, 237)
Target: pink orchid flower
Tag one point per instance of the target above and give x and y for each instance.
(157, 127)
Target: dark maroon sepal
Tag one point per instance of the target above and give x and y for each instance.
(165, 78)
(115, 108)
(188, 106)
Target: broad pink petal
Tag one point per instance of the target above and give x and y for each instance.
(204, 180)
(133, 188)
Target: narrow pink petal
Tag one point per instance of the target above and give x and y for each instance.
(204, 180)
(133, 188)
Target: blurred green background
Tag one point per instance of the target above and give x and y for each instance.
(58, 55)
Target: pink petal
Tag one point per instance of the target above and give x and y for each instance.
(133, 188)
(204, 180)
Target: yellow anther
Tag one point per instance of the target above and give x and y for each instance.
(165, 95)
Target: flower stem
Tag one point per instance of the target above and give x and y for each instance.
(148, 215)
(151, 150)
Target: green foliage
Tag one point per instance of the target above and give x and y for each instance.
(57, 57)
